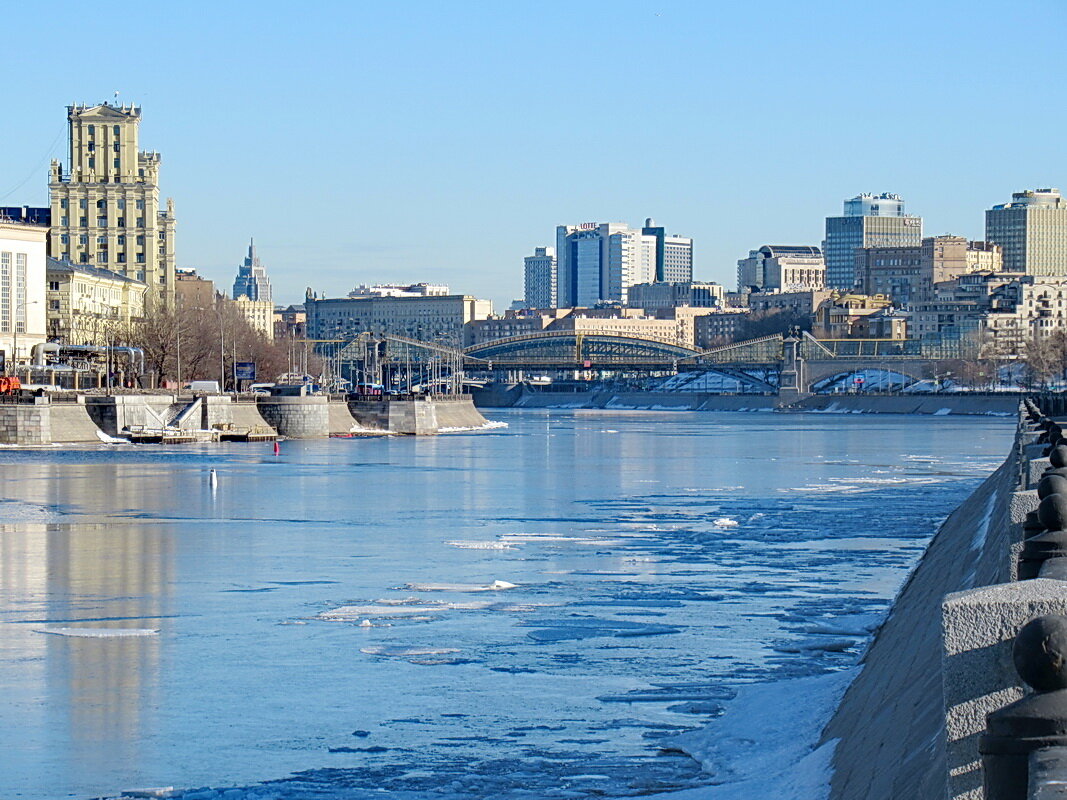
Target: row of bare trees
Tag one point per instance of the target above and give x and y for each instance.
(204, 343)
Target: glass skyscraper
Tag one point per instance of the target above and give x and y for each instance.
(869, 221)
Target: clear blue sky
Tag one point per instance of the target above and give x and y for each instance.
(404, 141)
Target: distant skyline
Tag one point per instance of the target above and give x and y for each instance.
(367, 143)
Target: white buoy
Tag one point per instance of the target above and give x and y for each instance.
(213, 479)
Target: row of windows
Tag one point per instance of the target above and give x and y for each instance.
(84, 203)
(101, 222)
(92, 129)
(102, 240)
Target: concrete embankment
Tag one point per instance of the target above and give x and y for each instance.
(86, 419)
(519, 396)
(891, 722)
(909, 725)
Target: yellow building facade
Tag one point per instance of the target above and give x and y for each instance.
(86, 305)
(258, 313)
(105, 207)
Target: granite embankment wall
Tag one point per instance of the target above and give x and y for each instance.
(88, 419)
(909, 724)
(519, 396)
(891, 722)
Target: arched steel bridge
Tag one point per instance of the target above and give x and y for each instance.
(575, 350)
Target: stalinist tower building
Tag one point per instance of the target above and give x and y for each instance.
(105, 208)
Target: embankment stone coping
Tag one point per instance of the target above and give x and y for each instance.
(978, 675)
(1034, 722)
(1036, 468)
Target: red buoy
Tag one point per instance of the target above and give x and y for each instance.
(277, 449)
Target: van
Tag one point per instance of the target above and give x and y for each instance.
(261, 388)
(204, 387)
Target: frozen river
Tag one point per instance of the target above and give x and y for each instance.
(531, 611)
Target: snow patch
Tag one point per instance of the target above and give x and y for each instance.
(495, 586)
(765, 743)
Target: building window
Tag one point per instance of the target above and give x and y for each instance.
(140, 238)
(92, 162)
(116, 163)
(120, 203)
(64, 239)
(140, 258)
(53, 304)
(83, 239)
(101, 240)
(53, 286)
(92, 130)
(63, 203)
(140, 203)
(64, 221)
(121, 222)
(140, 222)
(163, 237)
(121, 258)
(162, 251)
(84, 258)
(83, 203)
(101, 222)
(102, 256)
(92, 147)
(116, 130)
(83, 222)
(101, 203)
(120, 240)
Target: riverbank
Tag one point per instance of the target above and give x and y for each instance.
(521, 396)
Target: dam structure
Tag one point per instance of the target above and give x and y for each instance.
(913, 723)
(70, 418)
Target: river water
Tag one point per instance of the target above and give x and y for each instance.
(530, 611)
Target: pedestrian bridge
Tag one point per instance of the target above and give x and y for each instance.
(757, 364)
(570, 350)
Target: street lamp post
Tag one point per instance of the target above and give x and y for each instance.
(15, 334)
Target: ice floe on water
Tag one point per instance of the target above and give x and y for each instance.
(480, 545)
(100, 633)
(495, 586)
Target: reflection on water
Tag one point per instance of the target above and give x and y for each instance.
(188, 645)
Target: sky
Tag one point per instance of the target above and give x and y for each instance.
(429, 141)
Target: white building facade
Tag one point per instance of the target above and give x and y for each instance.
(22, 290)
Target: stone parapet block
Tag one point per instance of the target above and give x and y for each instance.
(978, 628)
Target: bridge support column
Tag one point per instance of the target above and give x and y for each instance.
(792, 386)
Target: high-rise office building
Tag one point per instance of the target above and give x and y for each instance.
(252, 280)
(674, 254)
(105, 208)
(1032, 229)
(869, 221)
(539, 272)
(597, 263)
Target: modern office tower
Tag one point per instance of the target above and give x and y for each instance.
(782, 268)
(105, 208)
(539, 272)
(869, 221)
(674, 254)
(1032, 229)
(598, 263)
(252, 280)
